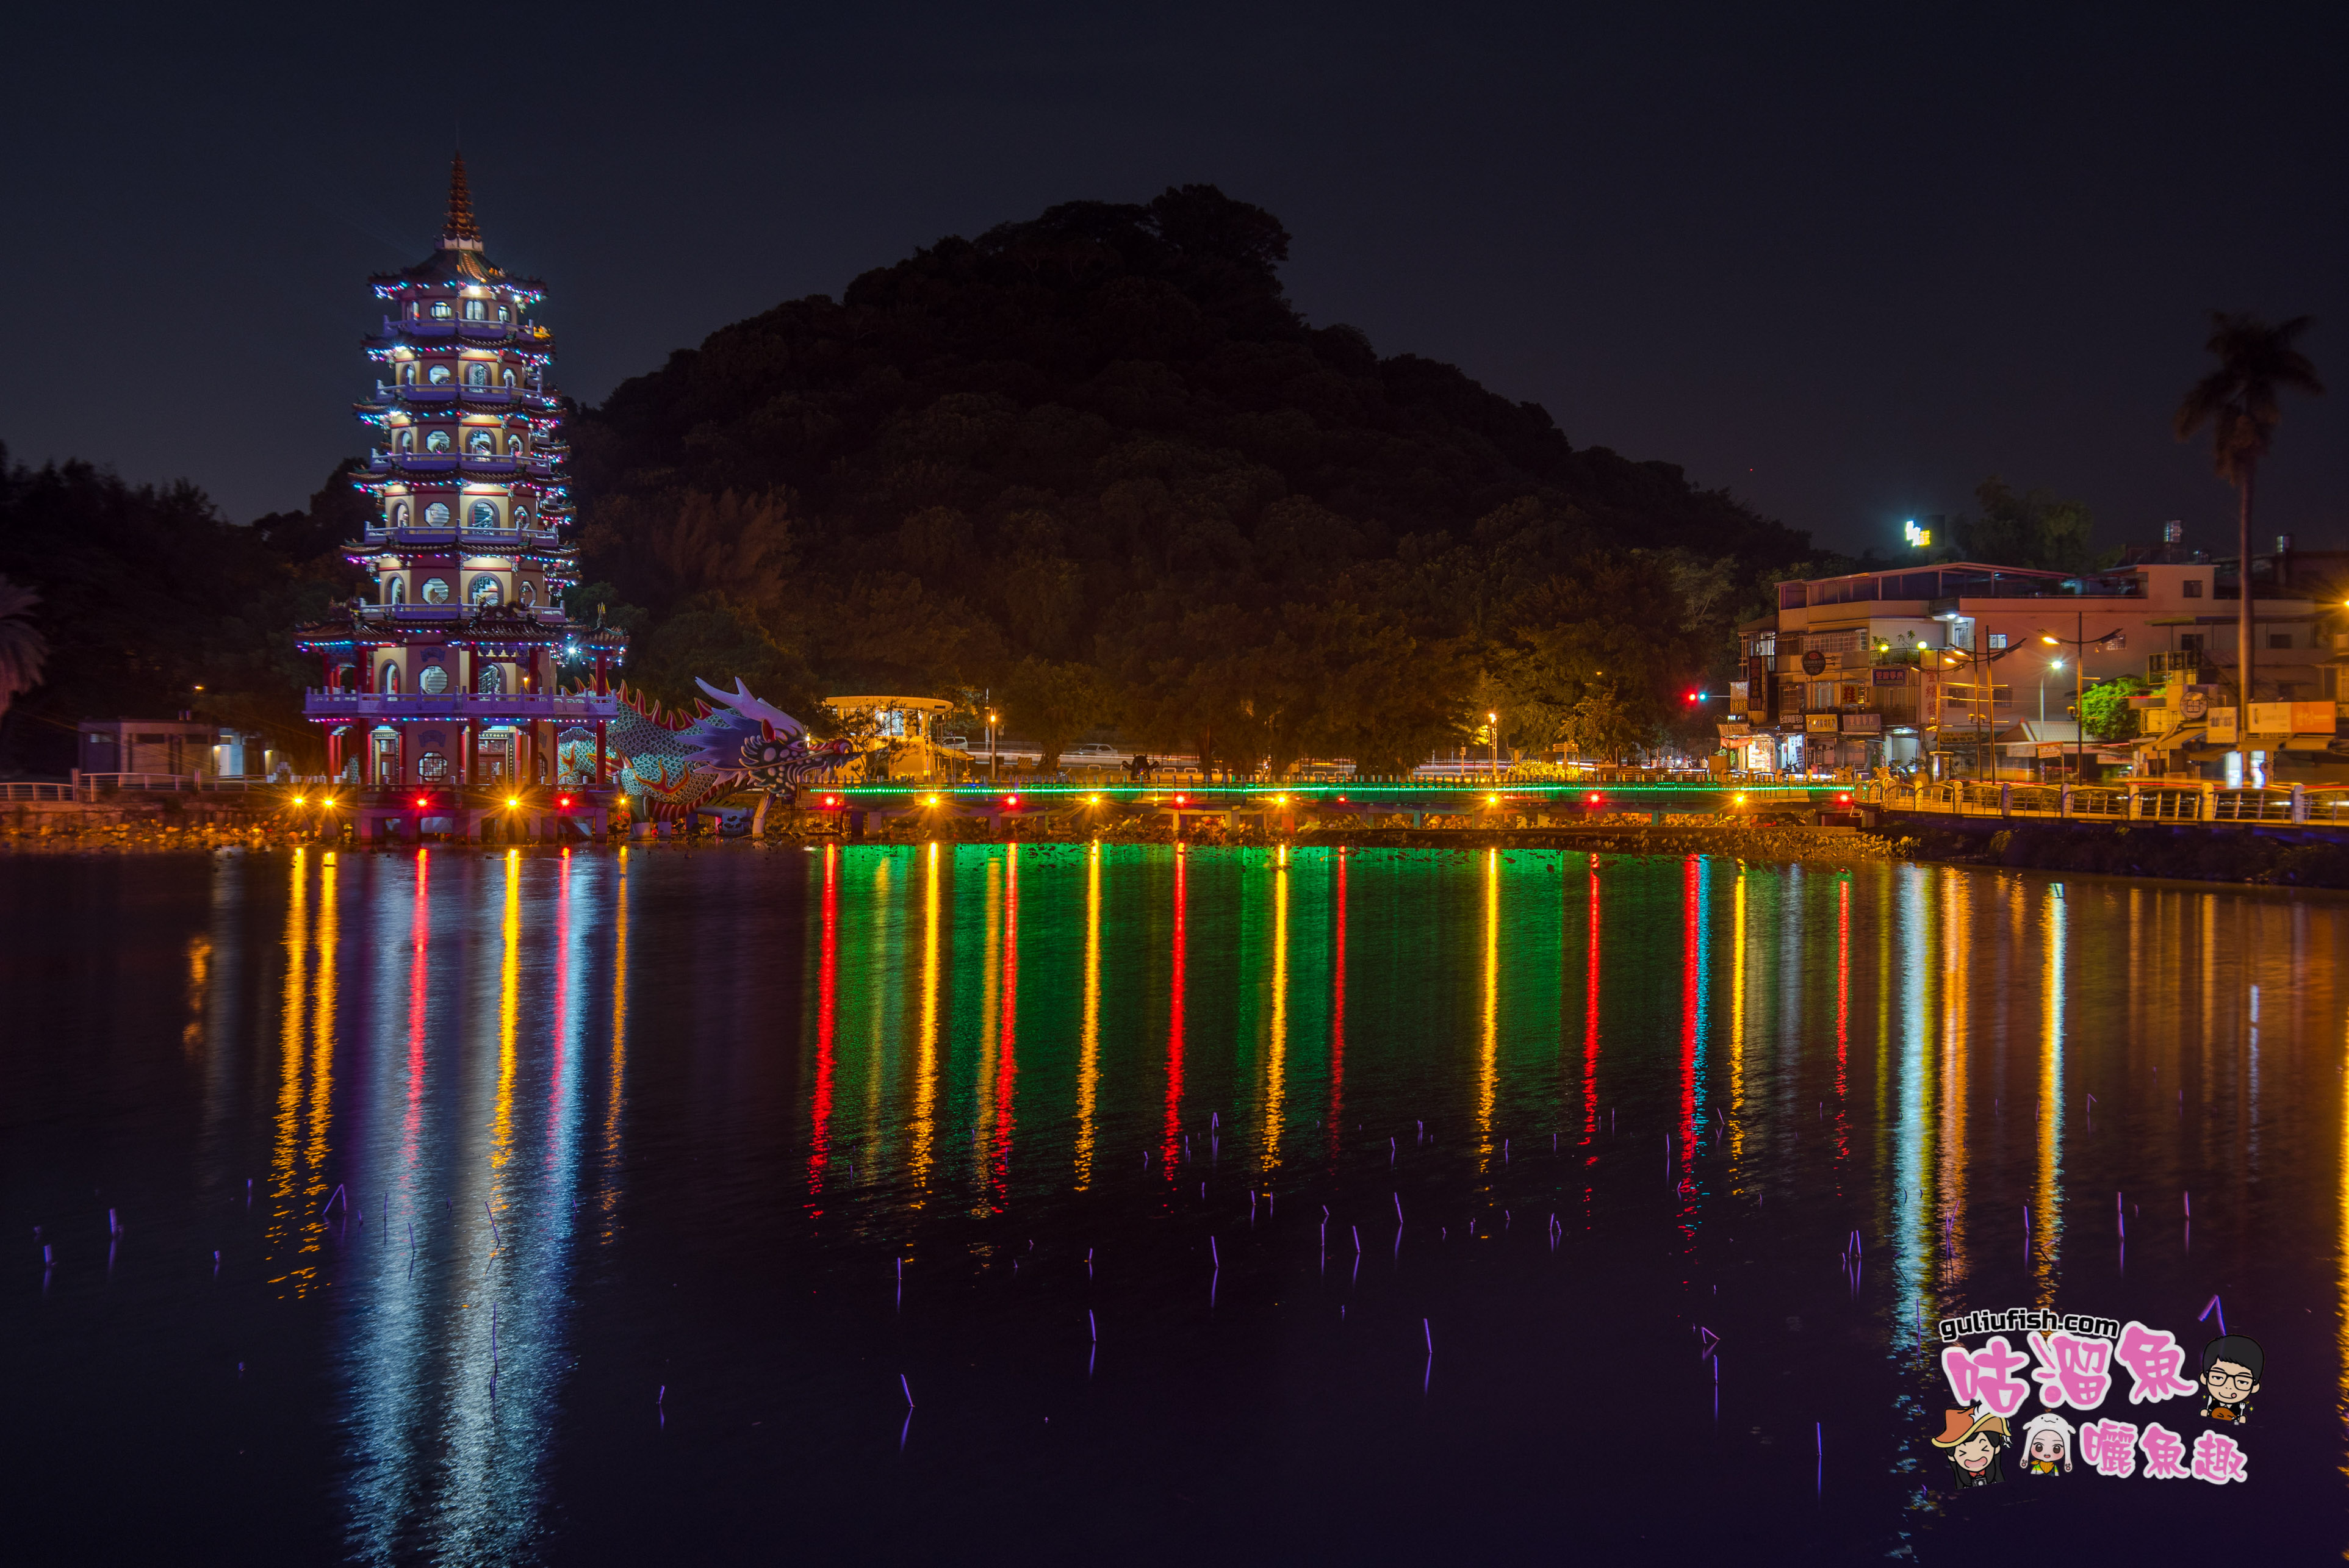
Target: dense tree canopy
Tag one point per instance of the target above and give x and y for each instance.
(1093, 465)
(1096, 464)
(153, 604)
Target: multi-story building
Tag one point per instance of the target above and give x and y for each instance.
(448, 679)
(1943, 665)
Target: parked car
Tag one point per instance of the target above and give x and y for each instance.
(1094, 750)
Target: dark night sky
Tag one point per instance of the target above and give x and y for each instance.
(1842, 262)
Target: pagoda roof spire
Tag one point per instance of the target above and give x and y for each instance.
(460, 233)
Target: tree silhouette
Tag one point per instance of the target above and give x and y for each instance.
(2238, 401)
(22, 646)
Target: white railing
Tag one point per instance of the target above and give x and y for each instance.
(2147, 800)
(89, 786)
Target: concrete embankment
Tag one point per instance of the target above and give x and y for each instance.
(2271, 854)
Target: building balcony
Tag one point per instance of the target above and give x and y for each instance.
(455, 707)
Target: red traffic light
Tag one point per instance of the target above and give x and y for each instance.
(1696, 697)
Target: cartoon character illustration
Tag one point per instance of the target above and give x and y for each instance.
(2047, 1444)
(1973, 1440)
(2231, 1375)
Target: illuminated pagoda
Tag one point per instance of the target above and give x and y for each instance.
(441, 700)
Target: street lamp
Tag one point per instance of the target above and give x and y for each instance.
(990, 746)
(1493, 735)
(2080, 646)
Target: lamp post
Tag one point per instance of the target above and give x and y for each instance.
(1493, 737)
(991, 748)
(2079, 644)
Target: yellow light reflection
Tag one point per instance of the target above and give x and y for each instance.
(925, 1064)
(1956, 1035)
(1275, 1056)
(321, 1046)
(291, 1009)
(2047, 1191)
(509, 1002)
(1737, 1026)
(1489, 1046)
(199, 968)
(1088, 1043)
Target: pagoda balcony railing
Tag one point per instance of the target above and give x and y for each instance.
(456, 706)
(488, 541)
(424, 393)
(456, 327)
(529, 465)
(523, 618)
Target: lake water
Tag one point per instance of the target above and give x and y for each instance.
(610, 1205)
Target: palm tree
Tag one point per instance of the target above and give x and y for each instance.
(2238, 401)
(22, 647)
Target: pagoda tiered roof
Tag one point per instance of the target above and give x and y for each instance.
(460, 260)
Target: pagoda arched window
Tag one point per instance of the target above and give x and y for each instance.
(395, 590)
(481, 444)
(509, 375)
(521, 517)
(529, 592)
(441, 311)
(477, 374)
(476, 310)
(435, 591)
(485, 514)
(485, 590)
(433, 681)
(493, 680)
(404, 441)
(399, 514)
(439, 376)
(436, 514)
(390, 684)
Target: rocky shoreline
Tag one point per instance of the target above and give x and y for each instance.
(2168, 853)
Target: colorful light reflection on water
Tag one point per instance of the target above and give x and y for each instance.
(703, 1153)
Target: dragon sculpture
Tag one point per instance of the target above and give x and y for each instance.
(677, 763)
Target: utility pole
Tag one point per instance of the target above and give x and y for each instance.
(2079, 643)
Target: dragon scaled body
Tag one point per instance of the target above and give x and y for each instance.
(677, 763)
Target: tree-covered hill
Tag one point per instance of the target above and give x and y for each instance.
(1097, 464)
